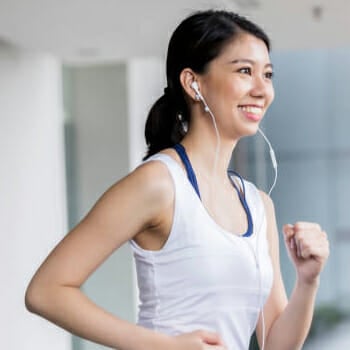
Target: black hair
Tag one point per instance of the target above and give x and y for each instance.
(198, 40)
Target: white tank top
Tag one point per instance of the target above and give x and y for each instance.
(204, 277)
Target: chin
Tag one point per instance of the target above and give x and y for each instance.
(250, 130)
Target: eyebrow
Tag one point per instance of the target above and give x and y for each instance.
(246, 60)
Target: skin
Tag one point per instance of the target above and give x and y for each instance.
(54, 291)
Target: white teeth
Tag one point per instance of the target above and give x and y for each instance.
(251, 109)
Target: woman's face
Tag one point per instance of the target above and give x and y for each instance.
(237, 86)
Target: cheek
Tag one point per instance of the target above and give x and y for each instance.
(235, 91)
(240, 88)
(270, 94)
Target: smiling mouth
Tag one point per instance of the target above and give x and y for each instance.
(254, 113)
(251, 109)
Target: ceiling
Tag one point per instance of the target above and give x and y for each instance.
(81, 31)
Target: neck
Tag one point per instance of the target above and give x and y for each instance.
(201, 147)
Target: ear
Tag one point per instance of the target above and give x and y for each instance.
(187, 77)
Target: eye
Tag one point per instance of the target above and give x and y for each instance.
(245, 70)
(269, 75)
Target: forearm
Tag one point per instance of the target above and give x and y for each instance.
(70, 309)
(290, 329)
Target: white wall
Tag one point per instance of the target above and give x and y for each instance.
(32, 168)
(145, 84)
(32, 187)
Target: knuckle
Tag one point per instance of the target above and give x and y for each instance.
(298, 225)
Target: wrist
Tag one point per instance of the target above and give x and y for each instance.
(308, 283)
(159, 341)
(144, 338)
(164, 341)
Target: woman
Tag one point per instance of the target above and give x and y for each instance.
(205, 241)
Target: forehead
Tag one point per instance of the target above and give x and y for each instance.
(244, 46)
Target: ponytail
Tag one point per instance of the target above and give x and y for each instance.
(165, 124)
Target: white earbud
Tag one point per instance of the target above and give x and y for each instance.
(195, 87)
(199, 97)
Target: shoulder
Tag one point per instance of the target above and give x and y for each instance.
(135, 202)
(144, 190)
(153, 180)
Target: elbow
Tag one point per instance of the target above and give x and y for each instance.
(31, 300)
(35, 297)
(43, 297)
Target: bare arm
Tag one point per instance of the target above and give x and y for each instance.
(54, 291)
(127, 208)
(288, 322)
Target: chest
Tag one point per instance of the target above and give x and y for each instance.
(222, 203)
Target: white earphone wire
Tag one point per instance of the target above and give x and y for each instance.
(195, 87)
(273, 160)
(275, 166)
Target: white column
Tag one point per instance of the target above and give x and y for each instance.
(32, 187)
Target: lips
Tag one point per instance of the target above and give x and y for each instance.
(252, 112)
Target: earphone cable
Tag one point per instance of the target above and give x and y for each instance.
(274, 164)
(273, 160)
(217, 150)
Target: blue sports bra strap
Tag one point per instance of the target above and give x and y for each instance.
(190, 173)
(243, 200)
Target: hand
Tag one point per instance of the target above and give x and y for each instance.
(199, 340)
(308, 248)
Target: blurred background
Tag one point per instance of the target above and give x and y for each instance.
(76, 81)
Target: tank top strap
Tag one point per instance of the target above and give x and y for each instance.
(173, 167)
(181, 151)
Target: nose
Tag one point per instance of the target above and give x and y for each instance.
(261, 87)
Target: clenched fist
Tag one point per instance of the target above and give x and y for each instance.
(308, 248)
